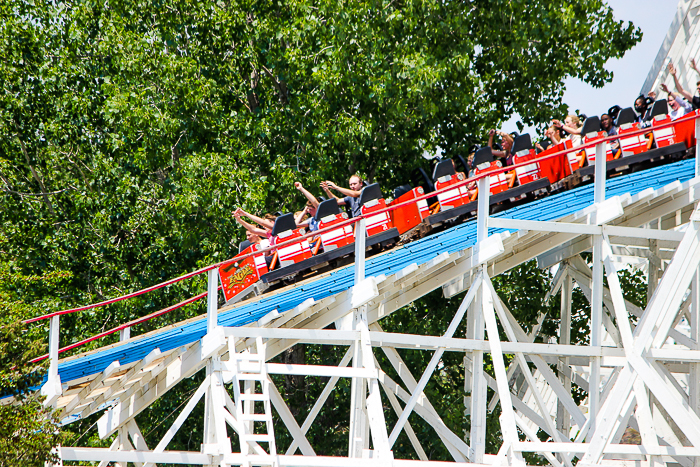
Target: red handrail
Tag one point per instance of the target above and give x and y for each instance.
(356, 219)
(126, 325)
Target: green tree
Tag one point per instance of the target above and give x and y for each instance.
(131, 130)
(28, 430)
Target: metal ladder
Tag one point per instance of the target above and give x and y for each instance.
(250, 369)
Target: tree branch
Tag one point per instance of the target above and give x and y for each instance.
(45, 195)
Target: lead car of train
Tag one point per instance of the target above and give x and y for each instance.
(252, 273)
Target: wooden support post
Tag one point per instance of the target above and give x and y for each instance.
(358, 395)
(694, 373)
(212, 299)
(360, 233)
(597, 291)
(52, 388)
(563, 417)
(475, 330)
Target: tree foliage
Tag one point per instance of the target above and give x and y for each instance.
(132, 129)
(28, 430)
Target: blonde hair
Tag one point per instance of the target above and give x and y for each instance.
(576, 120)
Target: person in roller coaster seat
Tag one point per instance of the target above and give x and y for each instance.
(693, 99)
(678, 105)
(352, 194)
(253, 238)
(506, 143)
(572, 125)
(554, 135)
(266, 223)
(641, 106)
(255, 234)
(606, 123)
(309, 209)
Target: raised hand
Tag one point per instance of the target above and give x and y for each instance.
(664, 88)
(298, 185)
(671, 69)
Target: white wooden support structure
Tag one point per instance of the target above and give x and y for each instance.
(639, 368)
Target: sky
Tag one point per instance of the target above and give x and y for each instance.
(654, 17)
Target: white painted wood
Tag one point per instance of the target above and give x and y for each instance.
(52, 389)
(212, 299)
(564, 418)
(410, 382)
(415, 442)
(456, 320)
(509, 430)
(177, 423)
(645, 421)
(374, 408)
(360, 234)
(596, 323)
(545, 226)
(320, 401)
(289, 421)
(428, 413)
(482, 218)
(532, 436)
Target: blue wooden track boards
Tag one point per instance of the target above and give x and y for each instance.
(457, 238)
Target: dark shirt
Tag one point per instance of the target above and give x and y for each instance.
(612, 131)
(696, 102)
(354, 204)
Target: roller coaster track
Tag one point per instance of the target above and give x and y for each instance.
(649, 215)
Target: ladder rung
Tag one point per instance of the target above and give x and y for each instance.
(253, 397)
(253, 357)
(251, 377)
(256, 417)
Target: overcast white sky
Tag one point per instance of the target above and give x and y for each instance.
(654, 18)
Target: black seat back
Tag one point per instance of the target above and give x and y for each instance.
(283, 223)
(544, 144)
(522, 143)
(444, 168)
(614, 112)
(419, 177)
(660, 107)
(463, 163)
(626, 116)
(399, 191)
(327, 208)
(244, 244)
(591, 125)
(483, 156)
(370, 192)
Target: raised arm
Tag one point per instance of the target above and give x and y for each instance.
(264, 222)
(330, 194)
(306, 193)
(345, 191)
(249, 227)
(694, 66)
(496, 152)
(679, 87)
(569, 129)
